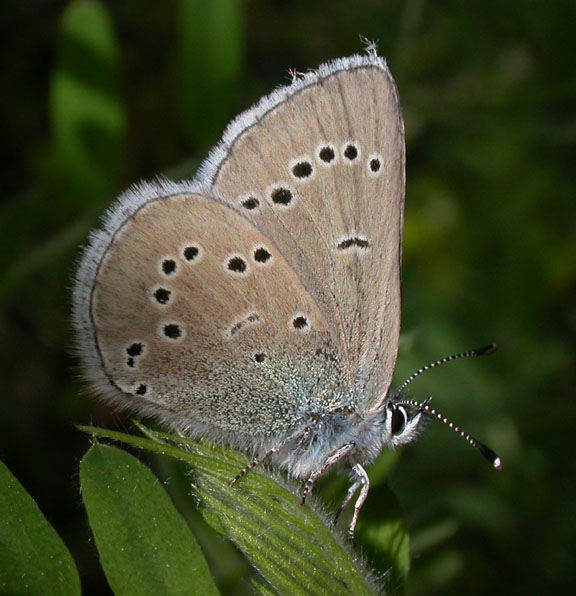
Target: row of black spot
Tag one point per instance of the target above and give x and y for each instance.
(327, 154)
(304, 169)
(280, 196)
(236, 264)
(190, 253)
(136, 349)
(173, 331)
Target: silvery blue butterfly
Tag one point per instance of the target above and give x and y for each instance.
(259, 304)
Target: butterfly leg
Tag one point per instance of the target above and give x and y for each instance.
(332, 459)
(364, 482)
(302, 434)
(252, 465)
(351, 491)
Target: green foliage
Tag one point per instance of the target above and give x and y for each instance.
(293, 548)
(97, 95)
(146, 547)
(87, 115)
(209, 62)
(144, 544)
(33, 559)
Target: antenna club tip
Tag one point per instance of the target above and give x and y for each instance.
(489, 349)
(497, 463)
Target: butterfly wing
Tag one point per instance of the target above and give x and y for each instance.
(235, 316)
(319, 167)
(187, 311)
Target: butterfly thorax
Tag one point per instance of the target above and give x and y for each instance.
(366, 434)
(307, 449)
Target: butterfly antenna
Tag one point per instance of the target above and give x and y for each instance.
(483, 449)
(490, 349)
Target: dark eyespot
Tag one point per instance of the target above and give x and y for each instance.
(300, 322)
(169, 266)
(374, 164)
(191, 252)
(172, 331)
(398, 423)
(141, 390)
(260, 357)
(250, 203)
(162, 295)
(261, 255)
(351, 152)
(302, 169)
(327, 154)
(281, 196)
(134, 349)
(130, 362)
(237, 265)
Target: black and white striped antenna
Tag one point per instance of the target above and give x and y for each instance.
(424, 407)
(483, 449)
(490, 349)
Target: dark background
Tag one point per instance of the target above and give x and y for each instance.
(97, 96)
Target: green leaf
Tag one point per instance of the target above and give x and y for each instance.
(210, 56)
(33, 559)
(295, 549)
(87, 114)
(144, 543)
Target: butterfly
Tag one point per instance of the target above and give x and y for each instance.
(258, 305)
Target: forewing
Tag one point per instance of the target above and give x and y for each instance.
(319, 167)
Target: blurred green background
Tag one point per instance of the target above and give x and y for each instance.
(96, 95)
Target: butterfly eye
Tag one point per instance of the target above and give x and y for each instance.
(398, 423)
